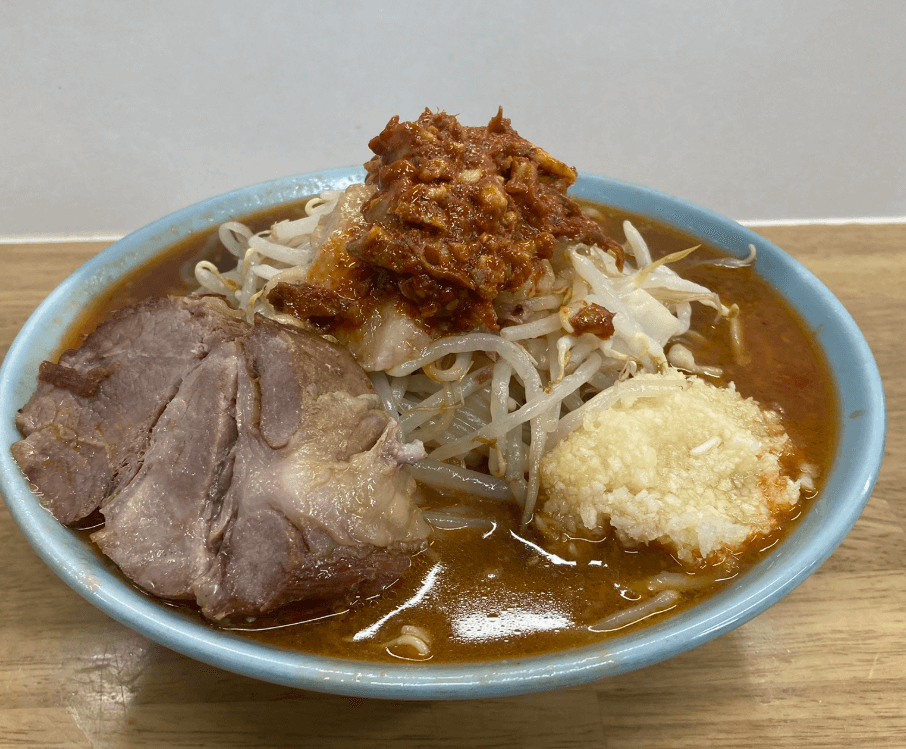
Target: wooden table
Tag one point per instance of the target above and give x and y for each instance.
(824, 668)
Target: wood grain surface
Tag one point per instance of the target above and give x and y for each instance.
(826, 667)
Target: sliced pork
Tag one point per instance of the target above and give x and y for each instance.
(87, 426)
(157, 525)
(315, 485)
(244, 466)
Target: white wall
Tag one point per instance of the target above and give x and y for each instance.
(114, 114)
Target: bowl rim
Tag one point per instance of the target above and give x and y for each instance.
(862, 415)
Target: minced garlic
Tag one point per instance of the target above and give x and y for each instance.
(696, 469)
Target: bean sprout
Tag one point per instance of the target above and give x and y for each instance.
(544, 377)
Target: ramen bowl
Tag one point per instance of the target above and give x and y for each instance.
(846, 490)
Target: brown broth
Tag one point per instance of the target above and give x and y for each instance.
(507, 593)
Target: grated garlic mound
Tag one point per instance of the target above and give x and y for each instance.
(697, 469)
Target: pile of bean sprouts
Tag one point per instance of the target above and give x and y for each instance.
(487, 406)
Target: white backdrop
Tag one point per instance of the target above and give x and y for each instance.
(114, 114)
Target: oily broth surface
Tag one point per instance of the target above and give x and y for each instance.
(499, 591)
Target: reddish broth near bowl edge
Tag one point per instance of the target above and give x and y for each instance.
(484, 594)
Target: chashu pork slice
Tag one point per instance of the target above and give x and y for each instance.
(318, 507)
(258, 470)
(87, 425)
(157, 526)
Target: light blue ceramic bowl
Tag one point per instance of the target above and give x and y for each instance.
(855, 469)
